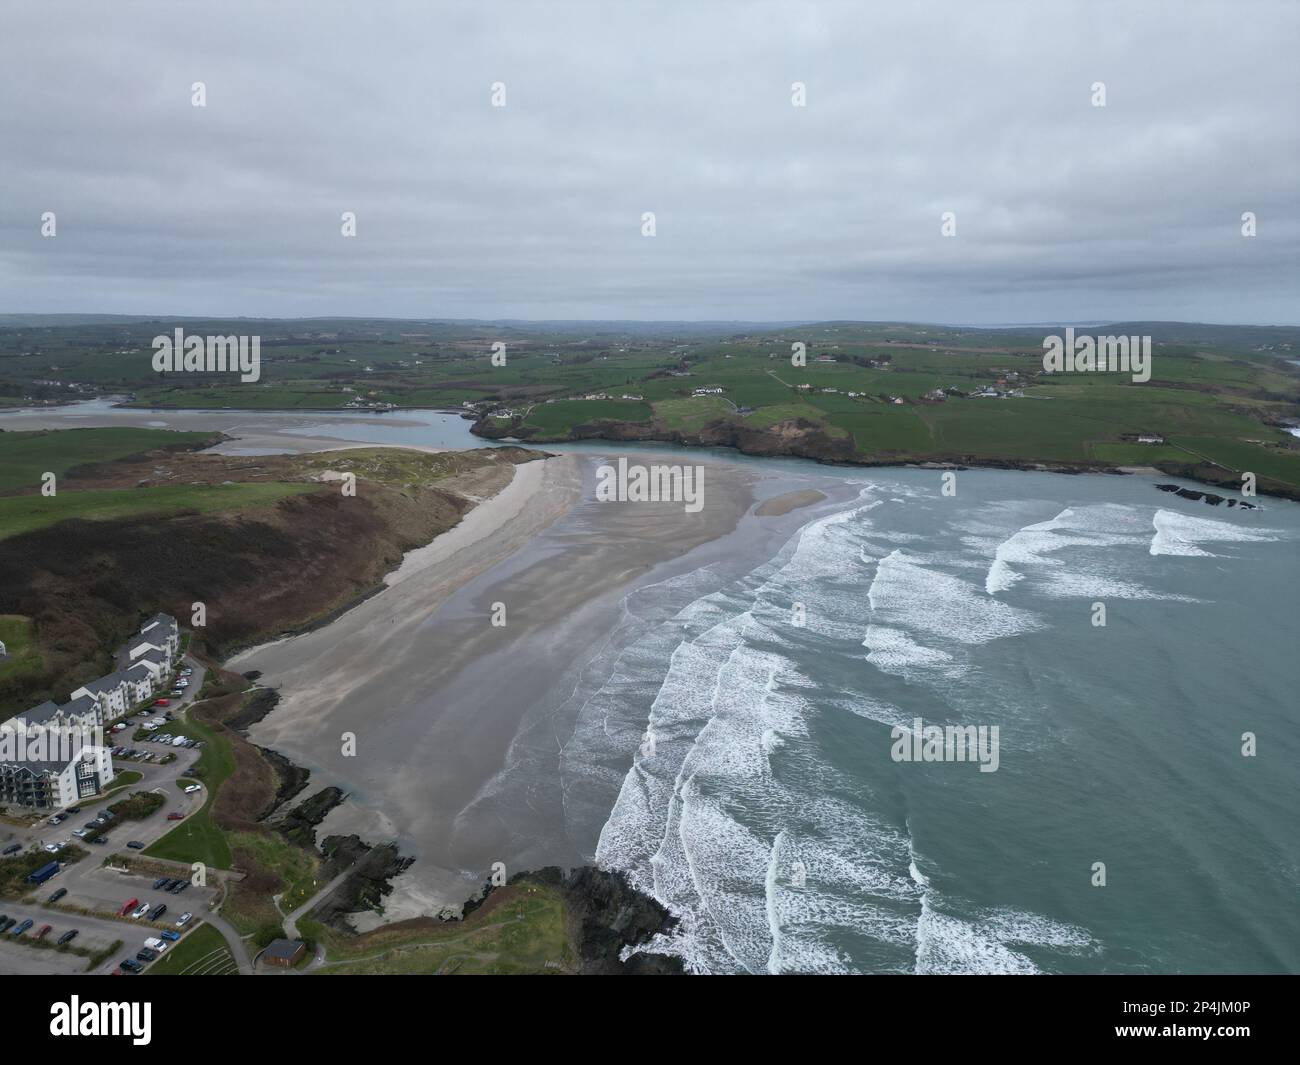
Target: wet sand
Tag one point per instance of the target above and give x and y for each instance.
(458, 722)
(783, 504)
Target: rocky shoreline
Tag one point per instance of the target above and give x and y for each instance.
(803, 439)
(606, 915)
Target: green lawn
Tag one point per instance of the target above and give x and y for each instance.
(197, 839)
(20, 514)
(202, 952)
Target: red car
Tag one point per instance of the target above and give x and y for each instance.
(45, 930)
(162, 702)
(175, 817)
(128, 907)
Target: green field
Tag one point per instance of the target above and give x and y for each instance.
(26, 457)
(561, 416)
(20, 514)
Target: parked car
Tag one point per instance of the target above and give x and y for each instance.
(130, 965)
(101, 840)
(162, 702)
(68, 936)
(161, 882)
(174, 816)
(135, 845)
(57, 819)
(53, 848)
(154, 943)
(6, 923)
(191, 788)
(157, 911)
(81, 833)
(22, 927)
(179, 887)
(57, 895)
(43, 931)
(145, 954)
(131, 905)
(176, 693)
(184, 919)
(74, 809)
(13, 848)
(170, 936)
(140, 911)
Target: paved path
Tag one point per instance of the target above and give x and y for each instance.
(291, 922)
(234, 941)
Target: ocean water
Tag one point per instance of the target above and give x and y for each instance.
(768, 813)
(763, 806)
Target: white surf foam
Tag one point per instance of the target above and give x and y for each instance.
(1180, 534)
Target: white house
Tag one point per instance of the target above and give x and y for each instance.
(115, 694)
(161, 632)
(55, 783)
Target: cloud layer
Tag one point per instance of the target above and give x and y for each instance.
(763, 210)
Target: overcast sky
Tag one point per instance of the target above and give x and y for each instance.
(1064, 211)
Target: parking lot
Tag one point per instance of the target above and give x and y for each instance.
(91, 894)
(103, 892)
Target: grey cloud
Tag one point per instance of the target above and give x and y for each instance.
(764, 210)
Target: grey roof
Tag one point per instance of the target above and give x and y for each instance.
(166, 620)
(82, 704)
(155, 655)
(38, 714)
(139, 670)
(56, 766)
(106, 684)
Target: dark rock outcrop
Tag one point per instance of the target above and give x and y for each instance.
(1190, 493)
(372, 869)
(299, 824)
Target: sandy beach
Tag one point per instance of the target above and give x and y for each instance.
(460, 724)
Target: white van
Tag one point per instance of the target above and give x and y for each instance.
(156, 944)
